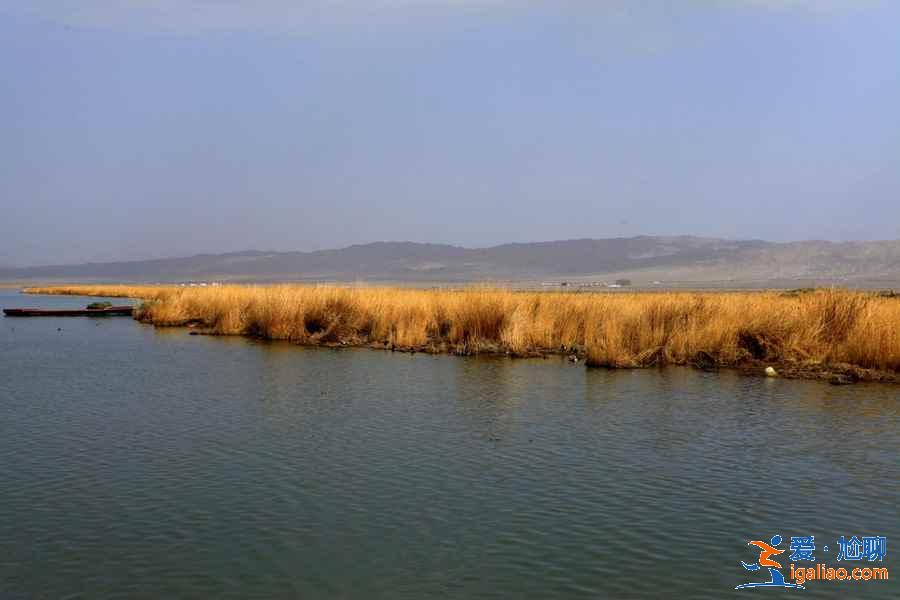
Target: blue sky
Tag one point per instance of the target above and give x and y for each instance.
(135, 129)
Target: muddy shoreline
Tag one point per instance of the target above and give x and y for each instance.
(834, 374)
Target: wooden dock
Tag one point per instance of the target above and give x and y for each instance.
(111, 311)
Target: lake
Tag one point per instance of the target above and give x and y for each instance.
(145, 463)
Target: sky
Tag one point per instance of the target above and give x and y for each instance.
(135, 129)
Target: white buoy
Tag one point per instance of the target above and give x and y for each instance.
(771, 372)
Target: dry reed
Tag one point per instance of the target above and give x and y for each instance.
(825, 327)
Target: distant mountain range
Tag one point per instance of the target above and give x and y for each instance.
(646, 260)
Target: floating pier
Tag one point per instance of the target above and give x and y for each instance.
(110, 311)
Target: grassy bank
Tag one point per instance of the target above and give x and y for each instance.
(853, 334)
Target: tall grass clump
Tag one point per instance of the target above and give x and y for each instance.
(630, 330)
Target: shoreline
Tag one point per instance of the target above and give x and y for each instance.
(836, 336)
(834, 374)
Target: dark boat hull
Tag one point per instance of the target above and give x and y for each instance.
(113, 311)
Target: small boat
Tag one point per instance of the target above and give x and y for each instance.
(109, 311)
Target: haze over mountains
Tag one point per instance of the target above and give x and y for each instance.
(680, 260)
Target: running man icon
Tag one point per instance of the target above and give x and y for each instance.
(766, 551)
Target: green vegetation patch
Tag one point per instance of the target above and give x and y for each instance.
(99, 305)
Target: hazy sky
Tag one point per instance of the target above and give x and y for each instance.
(133, 129)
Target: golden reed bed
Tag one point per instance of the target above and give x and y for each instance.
(843, 334)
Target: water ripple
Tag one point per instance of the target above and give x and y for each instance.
(147, 464)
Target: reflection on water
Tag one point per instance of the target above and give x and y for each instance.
(148, 463)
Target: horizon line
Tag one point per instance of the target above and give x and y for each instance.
(19, 267)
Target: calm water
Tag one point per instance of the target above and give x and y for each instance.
(152, 464)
